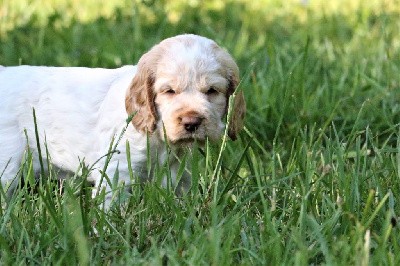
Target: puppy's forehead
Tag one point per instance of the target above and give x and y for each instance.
(195, 55)
(190, 63)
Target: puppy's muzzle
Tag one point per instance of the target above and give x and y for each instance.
(191, 122)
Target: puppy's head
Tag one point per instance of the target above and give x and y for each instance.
(183, 85)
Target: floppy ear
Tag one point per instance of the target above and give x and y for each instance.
(238, 110)
(235, 124)
(139, 100)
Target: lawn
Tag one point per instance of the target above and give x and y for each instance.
(314, 178)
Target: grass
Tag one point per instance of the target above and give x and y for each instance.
(313, 179)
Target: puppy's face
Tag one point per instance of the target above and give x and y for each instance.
(187, 83)
(191, 93)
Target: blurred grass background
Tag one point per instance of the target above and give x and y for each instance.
(318, 177)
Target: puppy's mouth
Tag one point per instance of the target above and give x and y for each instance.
(180, 135)
(188, 140)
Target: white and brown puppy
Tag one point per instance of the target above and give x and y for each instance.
(179, 89)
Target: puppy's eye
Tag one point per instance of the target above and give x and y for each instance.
(169, 91)
(211, 91)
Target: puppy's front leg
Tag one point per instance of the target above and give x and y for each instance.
(177, 178)
(115, 178)
(102, 184)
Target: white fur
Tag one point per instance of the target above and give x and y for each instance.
(80, 110)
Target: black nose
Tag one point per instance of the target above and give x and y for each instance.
(191, 123)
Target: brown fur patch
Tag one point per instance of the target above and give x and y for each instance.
(239, 109)
(140, 96)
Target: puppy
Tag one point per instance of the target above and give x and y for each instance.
(178, 93)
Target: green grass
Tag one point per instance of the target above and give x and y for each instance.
(314, 178)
